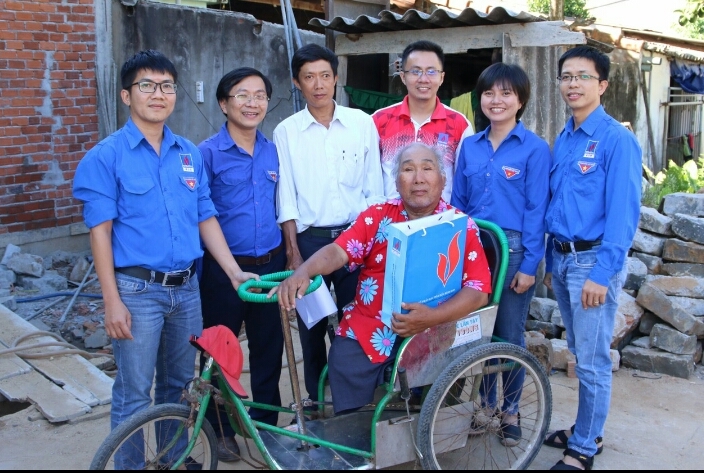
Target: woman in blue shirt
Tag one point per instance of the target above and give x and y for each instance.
(502, 176)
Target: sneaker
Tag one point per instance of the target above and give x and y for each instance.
(228, 450)
(484, 420)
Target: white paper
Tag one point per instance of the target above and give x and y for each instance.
(316, 306)
(468, 330)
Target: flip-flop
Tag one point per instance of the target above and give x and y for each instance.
(562, 437)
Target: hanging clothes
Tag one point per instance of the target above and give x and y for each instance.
(689, 76)
(463, 104)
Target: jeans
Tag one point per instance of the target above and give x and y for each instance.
(589, 333)
(163, 319)
(265, 339)
(510, 326)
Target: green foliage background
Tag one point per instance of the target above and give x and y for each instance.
(573, 8)
(687, 178)
(691, 20)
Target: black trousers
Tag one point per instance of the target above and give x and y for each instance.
(222, 306)
(313, 339)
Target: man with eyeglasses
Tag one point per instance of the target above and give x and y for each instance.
(420, 116)
(330, 173)
(147, 204)
(242, 167)
(592, 217)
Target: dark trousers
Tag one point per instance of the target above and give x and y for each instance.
(313, 339)
(222, 306)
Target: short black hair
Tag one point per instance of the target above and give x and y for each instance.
(601, 61)
(151, 60)
(312, 53)
(509, 76)
(236, 76)
(427, 46)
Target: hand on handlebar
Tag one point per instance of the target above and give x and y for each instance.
(292, 288)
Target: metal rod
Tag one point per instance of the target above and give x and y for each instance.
(75, 294)
(293, 373)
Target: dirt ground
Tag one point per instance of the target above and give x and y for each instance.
(656, 422)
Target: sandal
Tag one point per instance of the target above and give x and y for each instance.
(511, 434)
(587, 462)
(561, 435)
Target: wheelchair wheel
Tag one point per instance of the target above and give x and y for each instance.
(154, 439)
(460, 422)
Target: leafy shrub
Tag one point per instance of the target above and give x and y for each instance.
(687, 178)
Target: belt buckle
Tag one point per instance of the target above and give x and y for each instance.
(175, 274)
(335, 233)
(265, 259)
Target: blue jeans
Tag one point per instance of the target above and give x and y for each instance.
(589, 332)
(510, 326)
(163, 319)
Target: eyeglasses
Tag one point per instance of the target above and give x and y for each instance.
(567, 79)
(149, 87)
(430, 73)
(244, 98)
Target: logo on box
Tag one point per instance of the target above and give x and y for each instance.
(396, 247)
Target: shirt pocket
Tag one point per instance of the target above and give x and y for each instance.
(139, 197)
(232, 189)
(475, 178)
(269, 183)
(351, 167)
(587, 178)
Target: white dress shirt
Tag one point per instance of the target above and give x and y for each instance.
(327, 176)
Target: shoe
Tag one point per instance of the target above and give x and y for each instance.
(484, 419)
(228, 450)
(511, 434)
(188, 464)
(561, 435)
(587, 462)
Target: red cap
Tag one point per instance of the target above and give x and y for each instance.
(220, 343)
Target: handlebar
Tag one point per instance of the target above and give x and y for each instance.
(268, 282)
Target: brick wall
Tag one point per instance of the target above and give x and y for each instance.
(48, 111)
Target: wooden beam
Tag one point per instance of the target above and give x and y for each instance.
(459, 40)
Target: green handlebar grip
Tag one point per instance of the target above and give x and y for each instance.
(268, 282)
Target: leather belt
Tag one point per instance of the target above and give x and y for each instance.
(170, 279)
(326, 232)
(251, 260)
(569, 246)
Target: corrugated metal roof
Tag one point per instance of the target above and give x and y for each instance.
(675, 52)
(417, 20)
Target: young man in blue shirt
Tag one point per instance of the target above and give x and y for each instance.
(592, 217)
(242, 167)
(147, 204)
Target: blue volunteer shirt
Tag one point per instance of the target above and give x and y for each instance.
(155, 202)
(596, 189)
(509, 186)
(244, 192)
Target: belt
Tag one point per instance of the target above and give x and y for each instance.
(170, 279)
(251, 260)
(569, 246)
(326, 232)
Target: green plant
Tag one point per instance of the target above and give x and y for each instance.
(691, 19)
(687, 178)
(573, 8)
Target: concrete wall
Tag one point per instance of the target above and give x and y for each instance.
(204, 45)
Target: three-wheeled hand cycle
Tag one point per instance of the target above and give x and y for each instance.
(441, 405)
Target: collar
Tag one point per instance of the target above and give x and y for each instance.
(442, 206)
(224, 141)
(135, 136)
(519, 131)
(591, 123)
(438, 114)
(307, 119)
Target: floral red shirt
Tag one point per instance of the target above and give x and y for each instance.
(365, 243)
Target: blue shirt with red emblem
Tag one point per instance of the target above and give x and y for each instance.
(155, 201)
(509, 186)
(243, 189)
(595, 181)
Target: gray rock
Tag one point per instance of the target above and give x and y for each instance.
(698, 353)
(560, 354)
(683, 203)
(628, 317)
(686, 252)
(642, 342)
(24, 264)
(97, 340)
(556, 318)
(678, 286)
(684, 269)
(689, 228)
(657, 361)
(648, 243)
(673, 341)
(533, 334)
(9, 252)
(50, 282)
(656, 301)
(542, 350)
(10, 302)
(652, 263)
(79, 270)
(78, 333)
(647, 322)
(40, 325)
(7, 278)
(541, 308)
(653, 221)
(636, 272)
(60, 260)
(615, 360)
(630, 292)
(546, 328)
(693, 306)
